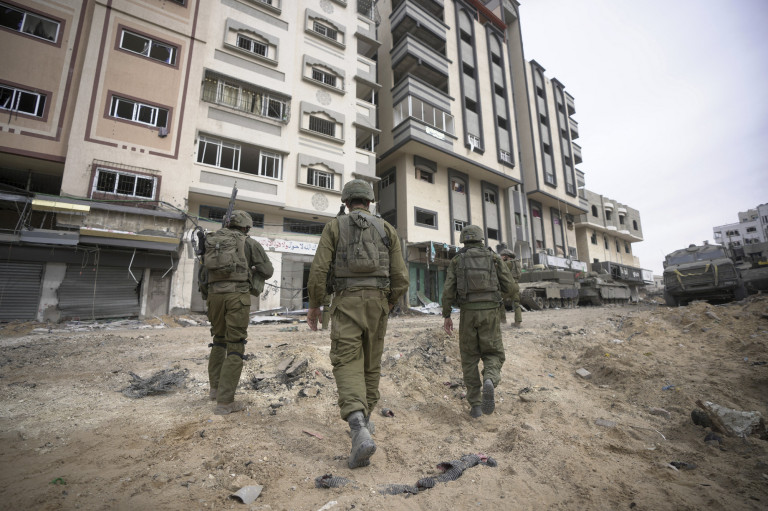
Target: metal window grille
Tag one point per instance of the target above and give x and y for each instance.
(252, 46)
(324, 31)
(505, 156)
(324, 77)
(322, 126)
(120, 183)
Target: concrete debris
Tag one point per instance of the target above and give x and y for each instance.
(584, 373)
(733, 422)
(660, 412)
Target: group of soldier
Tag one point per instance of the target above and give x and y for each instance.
(359, 263)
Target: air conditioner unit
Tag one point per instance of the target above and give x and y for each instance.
(162, 132)
(550, 252)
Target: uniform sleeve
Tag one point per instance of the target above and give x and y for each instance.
(321, 264)
(505, 277)
(449, 289)
(259, 261)
(398, 274)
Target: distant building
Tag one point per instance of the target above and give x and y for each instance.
(751, 228)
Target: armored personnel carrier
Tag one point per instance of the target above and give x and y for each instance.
(599, 289)
(701, 272)
(543, 289)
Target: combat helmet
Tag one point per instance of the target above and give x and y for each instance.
(507, 252)
(240, 218)
(357, 189)
(471, 233)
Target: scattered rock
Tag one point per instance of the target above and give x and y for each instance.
(584, 373)
(660, 412)
(605, 423)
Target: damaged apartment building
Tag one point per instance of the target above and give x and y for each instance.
(150, 112)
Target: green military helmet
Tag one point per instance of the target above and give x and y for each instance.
(507, 252)
(471, 233)
(357, 189)
(240, 218)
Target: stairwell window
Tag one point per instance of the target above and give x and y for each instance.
(135, 111)
(147, 47)
(124, 183)
(22, 101)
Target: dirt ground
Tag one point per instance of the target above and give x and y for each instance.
(72, 440)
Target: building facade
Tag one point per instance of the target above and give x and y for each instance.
(152, 113)
(751, 228)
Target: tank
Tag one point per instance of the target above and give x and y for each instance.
(544, 289)
(701, 272)
(599, 289)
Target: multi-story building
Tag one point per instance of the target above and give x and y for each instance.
(751, 228)
(151, 112)
(148, 114)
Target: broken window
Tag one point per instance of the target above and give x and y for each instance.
(22, 101)
(138, 112)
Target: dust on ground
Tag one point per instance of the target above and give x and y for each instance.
(621, 439)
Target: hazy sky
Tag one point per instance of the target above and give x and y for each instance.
(672, 104)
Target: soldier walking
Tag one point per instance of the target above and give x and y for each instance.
(513, 265)
(236, 267)
(477, 282)
(369, 277)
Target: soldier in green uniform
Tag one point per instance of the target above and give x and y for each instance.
(477, 281)
(229, 304)
(369, 277)
(513, 265)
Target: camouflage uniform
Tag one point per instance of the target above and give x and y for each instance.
(229, 305)
(479, 330)
(514, 302)
(359, 320)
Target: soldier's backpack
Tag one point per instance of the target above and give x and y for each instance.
(476, 277)
(362, 252)
(225, 256)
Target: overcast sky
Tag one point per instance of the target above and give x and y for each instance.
(672, 104)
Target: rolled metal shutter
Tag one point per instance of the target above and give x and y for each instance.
(97, 292)
(20, 286)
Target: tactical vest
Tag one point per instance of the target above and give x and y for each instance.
(476, 278)
(225, 256)
(362, 253)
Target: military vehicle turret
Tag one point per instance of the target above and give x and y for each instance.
(599, 289)
(701, 272)
(543, 289)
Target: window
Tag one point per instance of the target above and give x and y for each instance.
(498, 89)
(594, 211)
(425, 175)
(270, 165)
(493, 234)
(593, 238)
(138, 112)
(489, 197)
(216, 214)
(21, 20)
(303, 226)
(416, 108)
(22, 101)
(501, 122)
(244, 97)
(124, 183)
(470, 105)
(751, 229)
(505, 156)
(634, 224)
(324, 30)
(543, 119)
(387, 181)
(518, 220)
(457, 186)
(322, 76)
(465, 36)
(426, 218)
(617, 246)
(468, 69)
(458, 225)
(320, 178)
(626, 247)
(322, 126)
(621, 219)
(605, 242)
(496, 59)
(474, 141)
(147, 47)
(251, 45)
(607, 214)
(218, 153)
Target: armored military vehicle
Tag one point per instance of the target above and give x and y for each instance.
(599, 289)
(547, 288)
(701, 272)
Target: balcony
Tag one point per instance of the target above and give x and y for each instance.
(569, 104)
(365, 163)
(412, 57)
(411, 19)
(574, 129)
(366, 69)
(366, 32)
(576, 153)
(433, 7)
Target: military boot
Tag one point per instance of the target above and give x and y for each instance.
(212, 394)
(476, 411)
(370, 425)
(226, 409)
(363, 446)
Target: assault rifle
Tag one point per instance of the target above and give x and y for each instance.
(228, 214)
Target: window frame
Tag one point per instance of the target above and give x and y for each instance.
(316, 123)
(15, 97)
(277, 165)
(220, 145)
(115, 191)
(326, 30)
(252, 43)
(315, 176)
(417, 210)
(138, 108)
(25, 14)
(324, 75)
(152, 43)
